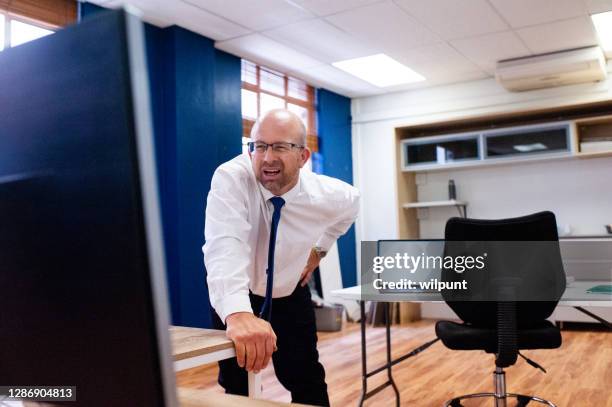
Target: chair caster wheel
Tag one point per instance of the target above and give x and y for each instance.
(522, 401)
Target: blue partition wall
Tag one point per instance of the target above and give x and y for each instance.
(203, 129)
(195, 100)
(334, 129)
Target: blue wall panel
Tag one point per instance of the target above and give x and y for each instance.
(228, 105)
(87, 9)
(334, 128)
(202, 129)
(161, 76)
(195, 101)
(208, 131)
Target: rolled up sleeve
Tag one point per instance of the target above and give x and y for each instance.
(346, 214)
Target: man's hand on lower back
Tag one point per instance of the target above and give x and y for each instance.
(253, 338)
(313, 262)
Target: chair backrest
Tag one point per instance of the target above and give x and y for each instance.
(536, 227)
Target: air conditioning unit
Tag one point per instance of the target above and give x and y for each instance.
(554, 69)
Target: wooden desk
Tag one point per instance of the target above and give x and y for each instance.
(188, 397)
(206, 398)
(193, 347)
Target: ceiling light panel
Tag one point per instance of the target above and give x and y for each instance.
(379, 70)
(603, 26)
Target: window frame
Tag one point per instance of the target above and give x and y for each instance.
(46, 14)
(8, 18)
(309, 104)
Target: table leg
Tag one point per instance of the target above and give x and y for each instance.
(607, 324)
(364, 370)
(389, 365)
(254, 385)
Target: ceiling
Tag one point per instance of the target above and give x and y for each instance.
(447, 41)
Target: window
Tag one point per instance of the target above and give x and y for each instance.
(264, 89)
(20, 32)
(2, 29)
(22, 21)
(14, 31)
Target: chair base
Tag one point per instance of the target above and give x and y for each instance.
(522, 400)
(500, 396)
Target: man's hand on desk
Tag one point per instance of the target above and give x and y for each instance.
(253, 338)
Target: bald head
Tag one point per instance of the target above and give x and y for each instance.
(278, 168)
(281, 121)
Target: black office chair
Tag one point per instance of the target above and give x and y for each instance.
(504, 327)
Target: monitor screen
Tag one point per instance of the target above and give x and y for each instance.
(83, 299)
(587, 258)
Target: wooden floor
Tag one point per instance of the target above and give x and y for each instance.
(579, 373)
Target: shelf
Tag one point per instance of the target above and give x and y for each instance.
(571, 237)
(594, 154)
(431, 204)
(592, 132)
(489, 162)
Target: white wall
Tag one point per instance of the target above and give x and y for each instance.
(374, 174)
(578, 191)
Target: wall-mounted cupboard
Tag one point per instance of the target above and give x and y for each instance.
(487, 147)
(582, 137)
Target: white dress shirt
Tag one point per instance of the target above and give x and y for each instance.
(317, 211)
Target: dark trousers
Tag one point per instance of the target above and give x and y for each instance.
(296, 362)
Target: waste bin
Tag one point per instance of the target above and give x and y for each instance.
(329, 317)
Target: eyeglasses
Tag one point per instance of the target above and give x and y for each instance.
(259, 147)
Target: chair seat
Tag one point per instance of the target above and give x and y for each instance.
(457, 336)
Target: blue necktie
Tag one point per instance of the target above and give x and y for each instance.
(266, 309)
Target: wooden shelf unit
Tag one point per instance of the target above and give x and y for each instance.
(452, 202)
(589, 115)
(593, 130)
(460, 205)
(408, 227)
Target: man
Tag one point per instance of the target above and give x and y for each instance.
(268, 225)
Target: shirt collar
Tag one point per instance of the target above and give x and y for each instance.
(287, 196)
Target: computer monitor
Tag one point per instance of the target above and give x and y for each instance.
(587, 258)
(82, 293)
